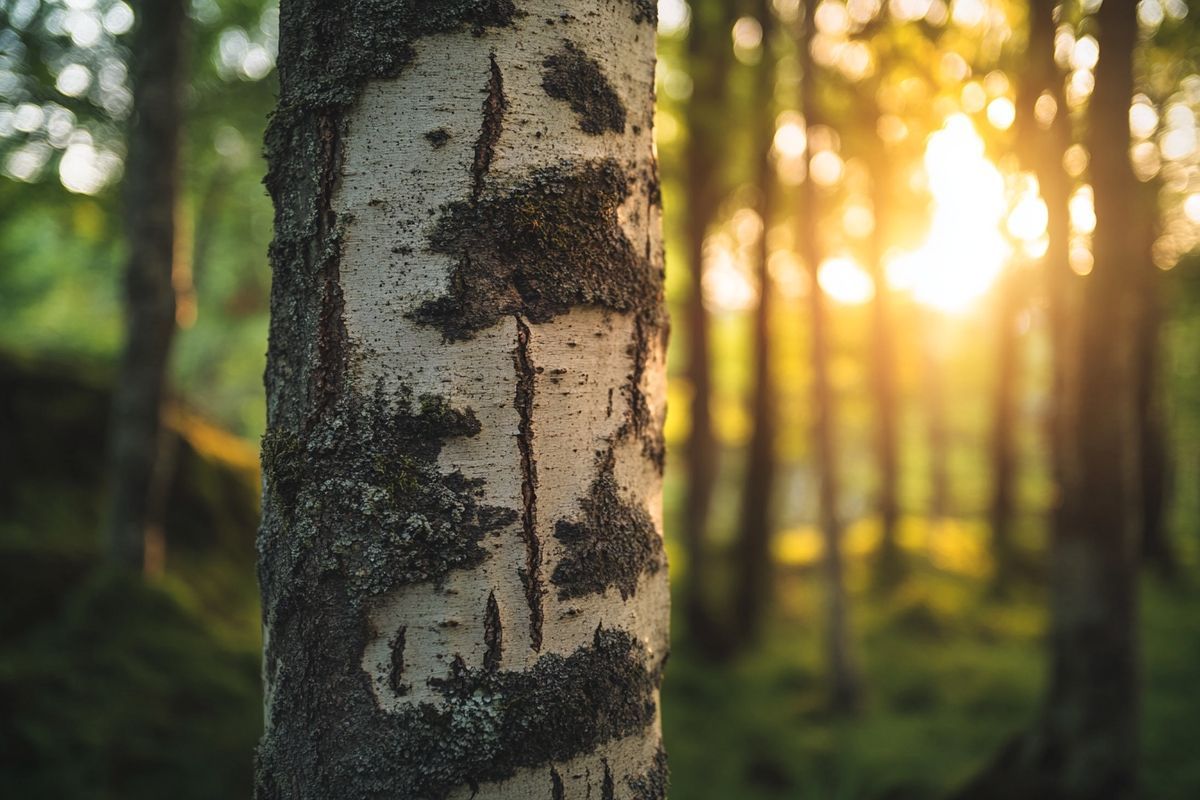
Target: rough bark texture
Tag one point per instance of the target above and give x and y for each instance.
(843, 674)
(150, 186)
(708, 64)
(464, 586)
(754, 575)
(1084, 747)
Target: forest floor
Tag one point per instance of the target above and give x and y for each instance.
(950, 672)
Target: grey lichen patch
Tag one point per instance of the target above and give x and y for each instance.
(540, 248)
(652, 784)
(573, 76)
(612, 545)
(485, 725)
(361, 494)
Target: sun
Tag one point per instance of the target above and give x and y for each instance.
(967, 247)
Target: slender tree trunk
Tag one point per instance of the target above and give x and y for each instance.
(754, 576)
(1041, 148)
(843, 674)
(890, 567)
(708, 62)
(151, 189)
(1004, 428)
(935, 417)
(1085, 745)
(463, 580)
(1152, 454)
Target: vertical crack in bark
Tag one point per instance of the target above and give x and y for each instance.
(494, 106)
(493, 635)
(557, 792)
(531, 576)
(607, 788)
(396, 675)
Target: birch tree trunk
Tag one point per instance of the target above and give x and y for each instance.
(464, 586)
(150, 190)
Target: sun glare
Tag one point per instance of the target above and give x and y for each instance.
(967, 247)
(845, 281)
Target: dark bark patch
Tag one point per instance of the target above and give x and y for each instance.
(361, 494)
(607, 787)
(396, 674)
(551, 243)
(645, 11)
(438, 137)
(639, 421)
(531, 575)
(493, 635)
(330, 739)
(494, 106)
(612, 545)
(652, 784)
(557, 792)
(572, 76)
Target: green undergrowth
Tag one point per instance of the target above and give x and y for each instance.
(950, 673)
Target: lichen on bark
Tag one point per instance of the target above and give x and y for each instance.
(571, 75)
(613, 544)
(524, 251)
(485, 725)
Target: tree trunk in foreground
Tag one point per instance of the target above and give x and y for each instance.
(844, 686)
(708, 63)
(461, 563)
(151, 188)
(754, 573)
(1084, 747)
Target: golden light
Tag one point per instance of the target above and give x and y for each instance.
(1028, 219)
(966, 249)
(726, 286)
(1083, 211)
(1001, 113)
(826, 168)
(790, 139)
(845, 281)
(1191, 208)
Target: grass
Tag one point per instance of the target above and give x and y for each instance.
(950, 674)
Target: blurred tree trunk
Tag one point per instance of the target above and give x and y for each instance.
(843, 674)
(754, 568)
(935, 415)
(462, 573)
(1041, 146)
(151, 188)
(1152, 453)
(1004, 424)
(1085, 744)
(708, 64)
(890, 566)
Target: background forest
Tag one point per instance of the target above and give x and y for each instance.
(880, 229)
